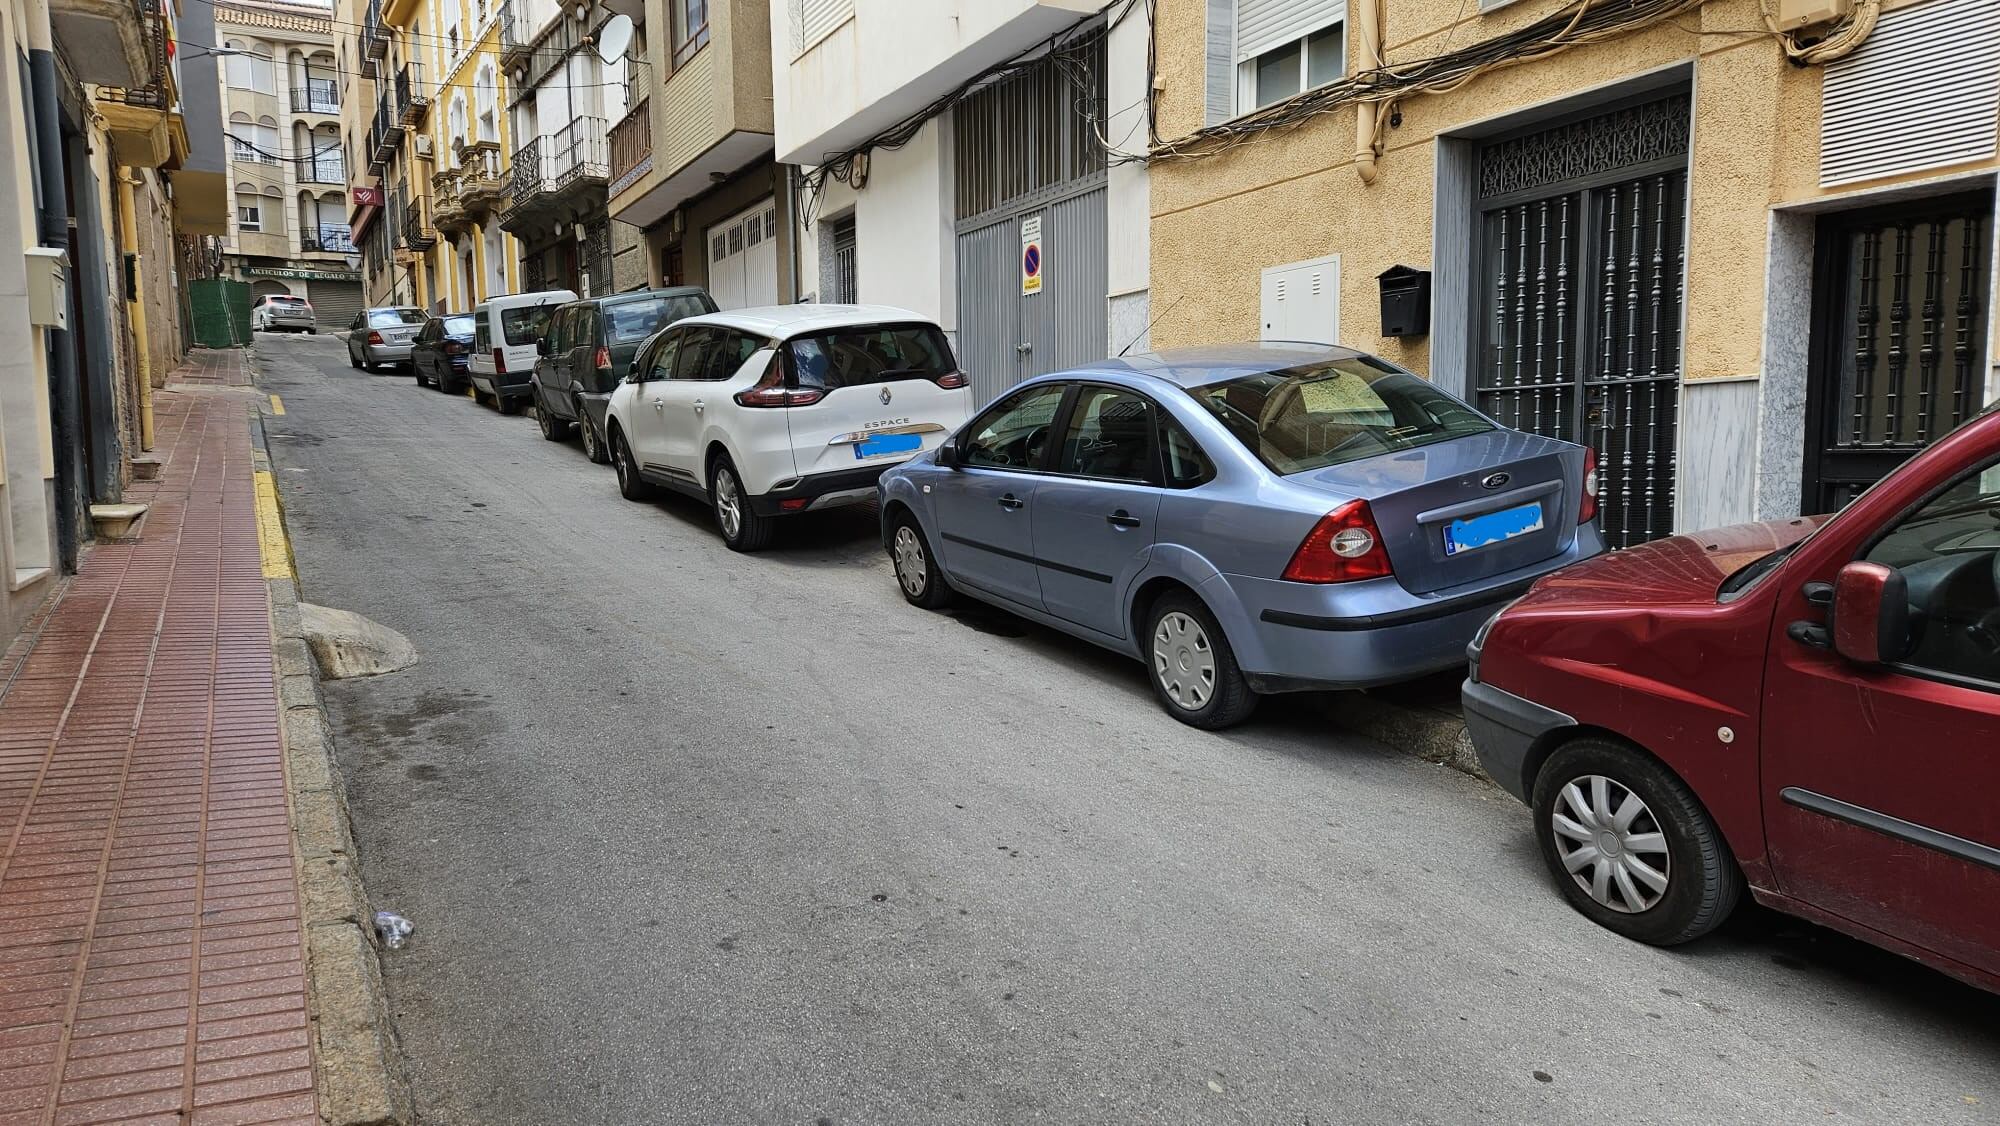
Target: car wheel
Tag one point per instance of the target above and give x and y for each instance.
(353, 361)
(742, 528)
(1630, 845)
(417, 372)
(312, 332)
(593, 446)
(916, 568)
(1193, 670)
(631, 486)
(554, 429)
(505, 405)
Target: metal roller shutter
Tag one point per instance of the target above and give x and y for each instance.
(335, 303)
(812, 19)
(1264, 24)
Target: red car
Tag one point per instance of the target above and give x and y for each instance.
(1807, 709)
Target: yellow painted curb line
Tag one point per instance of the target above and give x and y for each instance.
(277, 405)
(271, 541)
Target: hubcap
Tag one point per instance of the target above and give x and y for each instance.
(1184, 661)
(910, 570)
(623, 457)
(1610, 844)
(589, 435)
(728, 506)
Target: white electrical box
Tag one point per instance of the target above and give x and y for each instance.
(1792, 15)
(1301, 302)
(48, 287)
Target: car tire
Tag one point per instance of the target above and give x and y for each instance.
(506, 405)
(312, 332)
(593, 443)
(353, 361)
(1677, 839)
(553, 429)
(742, 527)
(1191, 666)
(417, 373)
(631, 486)
(916, 568)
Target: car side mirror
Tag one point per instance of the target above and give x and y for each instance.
(541, 346)
(949, 457)
(1871, 614)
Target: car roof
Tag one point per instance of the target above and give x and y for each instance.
(539, 297)
(642, 294)
(781, 322)
(1214, 363)
(394, 309)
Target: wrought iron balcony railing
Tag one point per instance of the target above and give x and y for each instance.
(326, 168)
(417, 233)
(326, 238)
(413, 98)
(318, 95)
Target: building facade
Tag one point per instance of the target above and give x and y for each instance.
(1755, 272)
(281, 105)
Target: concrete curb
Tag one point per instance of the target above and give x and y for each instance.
(1420, 719)
(357, 1062)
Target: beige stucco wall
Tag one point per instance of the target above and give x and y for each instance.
(1217, 222)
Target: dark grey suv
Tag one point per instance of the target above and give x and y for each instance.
(589, 347)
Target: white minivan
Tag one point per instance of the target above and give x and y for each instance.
(768, 412)
(502, 364)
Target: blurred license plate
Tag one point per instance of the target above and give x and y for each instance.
(1492, 528)
(882, 444)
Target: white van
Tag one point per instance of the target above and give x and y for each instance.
(502, 366)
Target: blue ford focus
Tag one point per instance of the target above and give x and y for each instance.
(1244, 520)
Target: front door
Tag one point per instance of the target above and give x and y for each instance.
(1094, 518)
(985, 510)
(1899, 338)
(1879, 780)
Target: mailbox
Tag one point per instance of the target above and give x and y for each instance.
(48, 287)
(1406, 301)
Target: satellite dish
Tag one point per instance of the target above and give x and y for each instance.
(614, 37)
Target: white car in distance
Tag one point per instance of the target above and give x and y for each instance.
(768, 412)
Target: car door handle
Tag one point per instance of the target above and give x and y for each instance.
(660, 405)
(1011, 501)
(699, 406)
(1122, 519)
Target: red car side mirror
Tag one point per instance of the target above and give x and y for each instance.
(1871, 614)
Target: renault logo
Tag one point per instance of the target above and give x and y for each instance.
(886, 396)
(1496, 480)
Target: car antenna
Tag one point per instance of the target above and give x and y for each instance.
(1147, 331)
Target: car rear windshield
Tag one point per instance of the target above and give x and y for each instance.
(527, 324)
(462, 325)
(628, 321)
(282, 300)
(1309, 417)
(850, 357)
(390, 318)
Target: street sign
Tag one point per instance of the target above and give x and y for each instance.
(1031, 255)
(301, 275)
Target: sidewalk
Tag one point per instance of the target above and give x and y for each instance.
(151, 946)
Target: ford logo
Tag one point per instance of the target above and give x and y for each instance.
(886, 396)
(1496, 480)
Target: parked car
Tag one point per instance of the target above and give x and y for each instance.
(1809, 709)
(504, 345)
(1244, 520)
(382, 336)
(767, 412)
(438, 355)
(275, 312)
(589, 348)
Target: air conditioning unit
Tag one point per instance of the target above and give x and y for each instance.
(424, 146)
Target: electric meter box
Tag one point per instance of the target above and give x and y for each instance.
(1793, 15)
(48, 287)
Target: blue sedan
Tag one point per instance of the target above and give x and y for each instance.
(1245, 520)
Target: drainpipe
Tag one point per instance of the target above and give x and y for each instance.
(135, 305)
(1368, 58)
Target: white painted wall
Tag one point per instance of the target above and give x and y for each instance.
(1128, 190)
(905, 247)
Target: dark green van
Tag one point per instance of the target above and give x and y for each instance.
(586, 350)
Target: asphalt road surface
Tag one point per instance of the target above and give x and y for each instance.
(694, 837)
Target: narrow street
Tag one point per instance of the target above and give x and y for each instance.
(695, 837)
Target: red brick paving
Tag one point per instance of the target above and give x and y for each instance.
(151, 950)
(214, 367)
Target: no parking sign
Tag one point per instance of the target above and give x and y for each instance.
(1031, 256)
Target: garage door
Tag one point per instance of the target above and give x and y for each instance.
(267, 289)
(335, 303)
(743, 258)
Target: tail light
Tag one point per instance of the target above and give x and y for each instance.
(1344, 546)
(952, 380)
(453, 348)
(603, 357)
(1587, 509)
(772, 392)
(500, 361)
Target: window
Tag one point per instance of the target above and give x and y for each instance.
(1185, 464)
(636, 320)
(526, 324)
(859, 356)
(1309, 417)
(661, 365)
(1261, 52)
(486, 89)
(713, 353)
(813, 19)
(1948, 553)
(393, 318)
(1014, 433)
(690, 19)
(1292, 68)
(558, 333)
(249, 214)
(249, 71)
(1109, 437)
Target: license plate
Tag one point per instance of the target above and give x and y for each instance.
(882, 444)
(1491, 528)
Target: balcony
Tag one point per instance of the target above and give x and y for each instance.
(482, 177)
(386, 137)
(517, 40)
(326, 238)
(142, 117)
(579, 156)
(240, 153)
(107, 42)
(327, 168)
(318, 95)
(417, 234)
(447, 207)
(558, 173)
(374, 40)
(413, 98)
(530, 183)
(631, 146)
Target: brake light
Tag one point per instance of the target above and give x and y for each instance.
(1587, 509)
(772, 392)
(500, 361)
(453, 348)
(374, 338)
(1344, 546)
(603, 357)
(952, 380)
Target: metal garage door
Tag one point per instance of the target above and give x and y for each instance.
(1006, 335)
(743, 258)
(335, 303)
